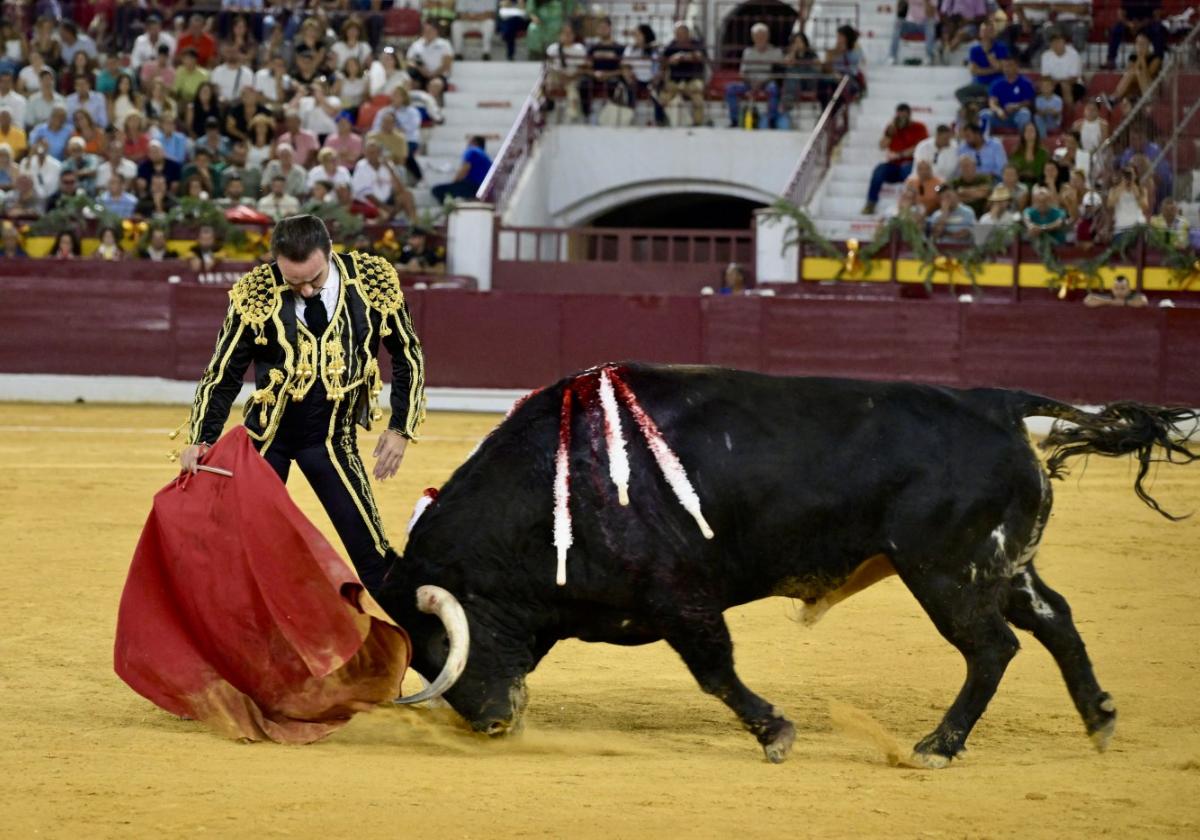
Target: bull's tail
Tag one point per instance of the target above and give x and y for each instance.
(1119, 428)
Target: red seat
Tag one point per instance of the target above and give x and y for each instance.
(720, 79)
(368, 110)
(402, 23)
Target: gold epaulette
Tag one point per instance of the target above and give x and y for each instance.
(256, 297)
(379, 282)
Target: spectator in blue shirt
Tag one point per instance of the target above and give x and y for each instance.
(55, 131)
(85, 98)
(984, 63)
(472, 171)
(116, 200)
(988, 151)
(175, 145)
(1010, 100)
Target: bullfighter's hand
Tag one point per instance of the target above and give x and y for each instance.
(389, 452)
(190, 457)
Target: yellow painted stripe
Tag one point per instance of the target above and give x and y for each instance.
(1032, 275)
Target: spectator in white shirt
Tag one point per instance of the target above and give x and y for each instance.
(474, 16)
(145, 46)
(295, 176)
(278, 203)
(940, 151)
(84, 98)
(1062, 64)
(376, 183)
(39, 106)
(273, 82)
(328, 169)
(42, 168)
(231, 75)
(118, 163)
(318, 112)
(10, 99)
(352, 45)
(29, 80)
(429, 61)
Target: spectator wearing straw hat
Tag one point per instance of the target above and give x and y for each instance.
(999, 213)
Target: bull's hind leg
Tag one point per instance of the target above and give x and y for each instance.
(1034, 606)
(967, 614)
(703, 641)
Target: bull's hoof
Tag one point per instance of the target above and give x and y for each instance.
(777, 748)
(1105, 724)
(930, 760)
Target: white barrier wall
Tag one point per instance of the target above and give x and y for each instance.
(578, 172)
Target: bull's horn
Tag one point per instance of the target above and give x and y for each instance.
(439, 602)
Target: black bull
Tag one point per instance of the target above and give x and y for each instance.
(814, 489)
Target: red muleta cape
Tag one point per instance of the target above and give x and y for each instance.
(238, 613)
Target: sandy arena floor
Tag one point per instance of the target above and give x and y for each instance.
(620, 742)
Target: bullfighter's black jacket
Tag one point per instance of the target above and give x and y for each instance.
(261, 326)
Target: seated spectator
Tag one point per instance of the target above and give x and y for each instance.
(115, 199)
(352, 46)
(204, 111)
(312, 43)
(1073, 194)
(474, 16)
(1136, 17)
(1121, 295)
(42, 168)
(999, 212)
(8, 169)
(961, 21)
(430, 59)
(149, 45)
(1042, 218)
(206, 253)
(1140, 145)
(66, 246)
(941, 152)
(137, 139)
(318, 111)
(1144, 65)
(395, 145)
(924, 185)
(470, 175)
(81, 164)
(273, 82)
(233, 195)
(845, 59)
(116, 162)
(55, 133)
(95, 140)
(175, 145)
(123, 101)
(160, 106)
(68, 188)
(212, 140)
(1170, 220)
(41, 105)
(24, 201)
(157, 249)
(84, 98)
(972, 186)
(733, 280)
(204, 169)
(1047, 108)
(73, 41)
(909, 206)
(1023, 35)
(45, 39)
(351, 86)
(758, 74)
(1010, 99)
(1092, 128)
(1070, 156)
(278, 203)
(262, 142)
(305, 68)
(602, 71)
(952, 221)
(375, 183)
(922, 19)
(231, 75)
(899, 142)
(238, 165)
(10, 242)
(304, 143)
(1063, 65)
(241, 113)
(683, 66)
(158, 201)
(12, 134)
(11, 100)
(1128, 201)
(513, 21)
(109, 248)
(988, 152)
(189, 77)
(328, 168)
(1053, 179)
(295, 176)
(565, 60)
(156, 163)
(801, 66)
(1030, 156)
(418, 255)
(347, 146)
(385, 74)
(984, 62)
(196, 39)
(29, 80)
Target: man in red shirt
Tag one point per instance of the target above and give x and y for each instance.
(197, 39)
(899, 140)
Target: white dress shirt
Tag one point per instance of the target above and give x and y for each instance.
(328, 293)
(944, 160)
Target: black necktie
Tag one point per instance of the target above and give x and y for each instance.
(315, 316)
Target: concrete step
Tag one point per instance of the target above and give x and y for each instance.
(471, 72)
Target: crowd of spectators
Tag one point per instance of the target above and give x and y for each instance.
(273, 111)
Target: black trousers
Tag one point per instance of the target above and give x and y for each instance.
(320, 437)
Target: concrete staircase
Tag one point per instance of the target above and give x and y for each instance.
(838, 203)
(486, 99)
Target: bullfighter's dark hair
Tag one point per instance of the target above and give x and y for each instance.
(296, 237)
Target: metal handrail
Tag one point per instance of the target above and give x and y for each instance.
(794, 189)
(515, 149)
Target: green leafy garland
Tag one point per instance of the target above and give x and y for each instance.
(341, 221)
(196, 212)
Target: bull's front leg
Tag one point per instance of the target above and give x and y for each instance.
(704, 643)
